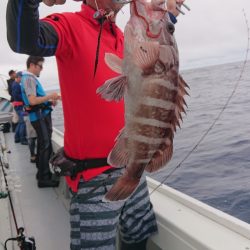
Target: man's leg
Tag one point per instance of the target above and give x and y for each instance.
(137, 221)
(17, 128)
(32, 146)
(42, 127)
(17, 133)
(23, 138)
(20, 132)
(94, 222)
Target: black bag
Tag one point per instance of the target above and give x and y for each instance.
(62, 165)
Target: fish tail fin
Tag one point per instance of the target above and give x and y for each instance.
(122, 189)
(113, 89)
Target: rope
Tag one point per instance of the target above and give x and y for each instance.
(218, 116)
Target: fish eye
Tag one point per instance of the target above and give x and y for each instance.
(170, 28)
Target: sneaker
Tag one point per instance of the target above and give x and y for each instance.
(33, 159)
(24, 143)
(17, 141)
(47, 183)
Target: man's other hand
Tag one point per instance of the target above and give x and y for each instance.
(54, 96)
(53, 2)
(171, 5)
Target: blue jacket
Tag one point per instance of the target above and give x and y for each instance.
(34, 116)
(16, 92)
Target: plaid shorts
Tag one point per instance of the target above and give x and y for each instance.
(94, 223)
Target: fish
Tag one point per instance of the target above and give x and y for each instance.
(153, 93)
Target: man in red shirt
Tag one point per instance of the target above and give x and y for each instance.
(91, 123)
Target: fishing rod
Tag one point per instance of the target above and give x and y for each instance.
(180, 10)
(24, 243)
(219, 114)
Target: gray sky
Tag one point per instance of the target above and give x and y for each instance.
(213, 32)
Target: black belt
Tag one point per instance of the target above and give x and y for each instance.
(63, 165)
(89, 163)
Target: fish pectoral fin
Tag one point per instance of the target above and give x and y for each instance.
(122, 189)
(114, 62)
(113, 89)
(119, 156)
(160, 159)
(146, 54)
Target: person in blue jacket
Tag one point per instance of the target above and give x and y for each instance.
(20, 131)
(39, 106)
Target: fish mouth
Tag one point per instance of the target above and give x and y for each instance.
(122, 1)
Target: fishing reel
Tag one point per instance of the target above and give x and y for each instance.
(25, 243)
(99, 14)
(3, 195)
(102, 14)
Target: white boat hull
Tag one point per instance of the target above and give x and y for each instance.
(187, 224)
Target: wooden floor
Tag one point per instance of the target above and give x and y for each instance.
(42, 212)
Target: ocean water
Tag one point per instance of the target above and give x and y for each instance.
(217, 172)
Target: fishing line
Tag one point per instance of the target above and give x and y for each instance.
(101, 16)
(218, 116)
(96, 5)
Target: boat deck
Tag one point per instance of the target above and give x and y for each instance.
(183, 222)
(41, 211)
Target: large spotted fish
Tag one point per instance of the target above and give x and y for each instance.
(153, 94)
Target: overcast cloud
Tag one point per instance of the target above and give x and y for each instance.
(213, 32)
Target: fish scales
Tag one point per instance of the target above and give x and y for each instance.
(153, 93)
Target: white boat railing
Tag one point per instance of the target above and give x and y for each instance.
(187, 224)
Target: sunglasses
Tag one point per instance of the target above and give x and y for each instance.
(41, 66)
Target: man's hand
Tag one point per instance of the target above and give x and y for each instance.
(54, 97)
(53, 2)
(54, 103)
(172, 4)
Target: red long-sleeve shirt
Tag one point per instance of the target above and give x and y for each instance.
(91, 123)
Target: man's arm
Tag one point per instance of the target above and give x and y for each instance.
(25, 33)
(30, 90)
(35, 100)
(173, 11)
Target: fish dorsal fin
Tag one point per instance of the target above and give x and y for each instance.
(146, 54)
(113, 89)
(114, 62)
